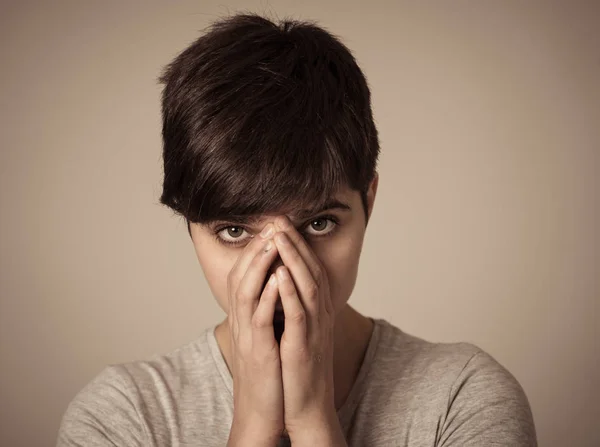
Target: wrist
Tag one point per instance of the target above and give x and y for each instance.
(252, 434)
(325, 436)
(324, 430)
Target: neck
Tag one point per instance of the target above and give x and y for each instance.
(352, 333)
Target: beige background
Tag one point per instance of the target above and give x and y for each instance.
(485, 228)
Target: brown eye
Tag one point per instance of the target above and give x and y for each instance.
(235, 232)
(319, 224)
(231, 235)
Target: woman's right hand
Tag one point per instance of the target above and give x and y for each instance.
(257, 383)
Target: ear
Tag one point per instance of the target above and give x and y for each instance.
(371, 193)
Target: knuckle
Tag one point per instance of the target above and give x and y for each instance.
(298, 317)
(319, 277)
(243, 296)
(258, 322)
(312, 289)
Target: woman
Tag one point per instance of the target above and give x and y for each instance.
(270, 154)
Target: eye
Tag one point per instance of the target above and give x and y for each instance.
(321, 226)
(231, 235)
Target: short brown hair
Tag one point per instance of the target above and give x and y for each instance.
(259, 116)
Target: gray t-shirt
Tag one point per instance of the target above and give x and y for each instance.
(409, 392)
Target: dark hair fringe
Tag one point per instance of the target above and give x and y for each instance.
(264, 118)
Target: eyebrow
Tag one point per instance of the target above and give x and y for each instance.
(332, 204)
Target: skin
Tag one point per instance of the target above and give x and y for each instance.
(315, 265)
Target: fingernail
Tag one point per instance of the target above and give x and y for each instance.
(283, 274)
(281, 222)
(273, 279)
(267, 231)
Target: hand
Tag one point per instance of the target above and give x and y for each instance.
(306, 348)
(257, 381)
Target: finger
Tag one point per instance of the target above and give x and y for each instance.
(295, 316)
(238, 270)
(312, 261)
(263, 336)
(249, 252)
(251, 285)
(306, 285)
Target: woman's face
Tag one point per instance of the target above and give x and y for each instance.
(335, 235)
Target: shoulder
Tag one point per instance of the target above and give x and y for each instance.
(421, 359)
(124, 403)
(476, 400)
(104, 412)
(190, 362)
(450, 362)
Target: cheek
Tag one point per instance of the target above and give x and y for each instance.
(341, 259)
(216, 268)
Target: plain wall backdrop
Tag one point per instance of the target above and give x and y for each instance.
(485, 228)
